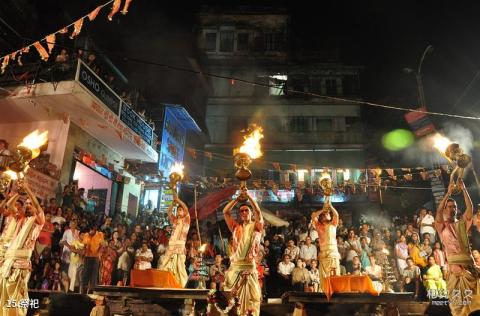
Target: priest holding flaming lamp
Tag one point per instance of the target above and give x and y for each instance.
(174, 259)
(242, 276)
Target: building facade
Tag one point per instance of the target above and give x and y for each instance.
(304, 131)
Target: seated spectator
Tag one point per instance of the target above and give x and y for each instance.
(300, 277)
(314, 276)
(365, 252)
(433, 278)
(58, 217)
(425, 248)
(292, 250)
(374, 271)
(411, 278)
(143, 257)
(414, 252)
(476, 258)
(217, 273)
(308, 252)
(198, 274)
(356, 267)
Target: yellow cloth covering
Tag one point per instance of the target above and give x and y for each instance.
(463, 284)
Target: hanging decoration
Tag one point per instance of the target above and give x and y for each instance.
(5, 63)
(77, 27)
(115, 9)
(126, 6)
(50, 39)
(94, 13)
(50, 42)
(41, 51)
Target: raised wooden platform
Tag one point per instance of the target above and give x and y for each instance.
(151, 293)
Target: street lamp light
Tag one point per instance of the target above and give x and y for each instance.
(418, 75)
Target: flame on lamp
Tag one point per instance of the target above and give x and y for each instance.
(34, 141)
(177, 168)
(325, 175)
(202, 248)
(251, 144)
(440, 142)
(385, 251)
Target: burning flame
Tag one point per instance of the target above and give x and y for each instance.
(441, 142)
(251, 145)
(177, 168)
(34, 141)
(202, 248)
(385, 251)
(11, 174)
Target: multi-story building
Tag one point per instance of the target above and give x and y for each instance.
(303, 130)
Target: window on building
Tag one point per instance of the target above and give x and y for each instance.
(331, 86)
(299, 124)
(277, 84)
(211, 41)
(226, 41)
(242, 41)
(323, 124)
(272, 41)
(350, 85)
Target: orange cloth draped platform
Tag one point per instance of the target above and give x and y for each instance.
(153, 278)
(348, 284)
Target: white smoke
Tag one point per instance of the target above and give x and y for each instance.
(460, 135)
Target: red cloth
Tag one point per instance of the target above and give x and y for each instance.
(45, 237)
(209, 203)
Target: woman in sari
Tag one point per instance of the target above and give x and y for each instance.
(108, 257)
(433, 278)
(415, 253)
(401, 252)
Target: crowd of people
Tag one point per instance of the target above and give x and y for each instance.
(78, 249)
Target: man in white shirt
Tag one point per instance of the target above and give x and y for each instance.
(285, 267)
(70, 240)
(425, 222)
(143, 258)
(308, 252)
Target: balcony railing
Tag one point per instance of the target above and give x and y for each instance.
(79, 71)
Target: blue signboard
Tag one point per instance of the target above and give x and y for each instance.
(173, 142)
(136, 123)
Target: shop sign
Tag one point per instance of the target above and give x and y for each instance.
(42, 186)
(97, 87)
(173, 142)
(136, 123)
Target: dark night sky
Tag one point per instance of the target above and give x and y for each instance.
(384, 36)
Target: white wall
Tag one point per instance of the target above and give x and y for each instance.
(89, 179)
(14, 133)
(130, 188)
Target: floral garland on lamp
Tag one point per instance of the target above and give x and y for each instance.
(212, 300)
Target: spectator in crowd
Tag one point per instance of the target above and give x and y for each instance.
(108, 256)
(314, 276)
(414, 251)
(45, 238)
(198, 274)
(284, 270)
(68, 194)
(4, 154)
(439, 255)
(292, 250)
(475, 239)
(401, 251)
(433, 278)
(125, 263)
(58, 217)
(143, 257)
(52, 207)
(300, 277)
(411, 278)
(425, 223)
(365, 252)
(92, 241)
(476, 258)
(356, 268)
(308, 252)
(217, 273)
(374, 271)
